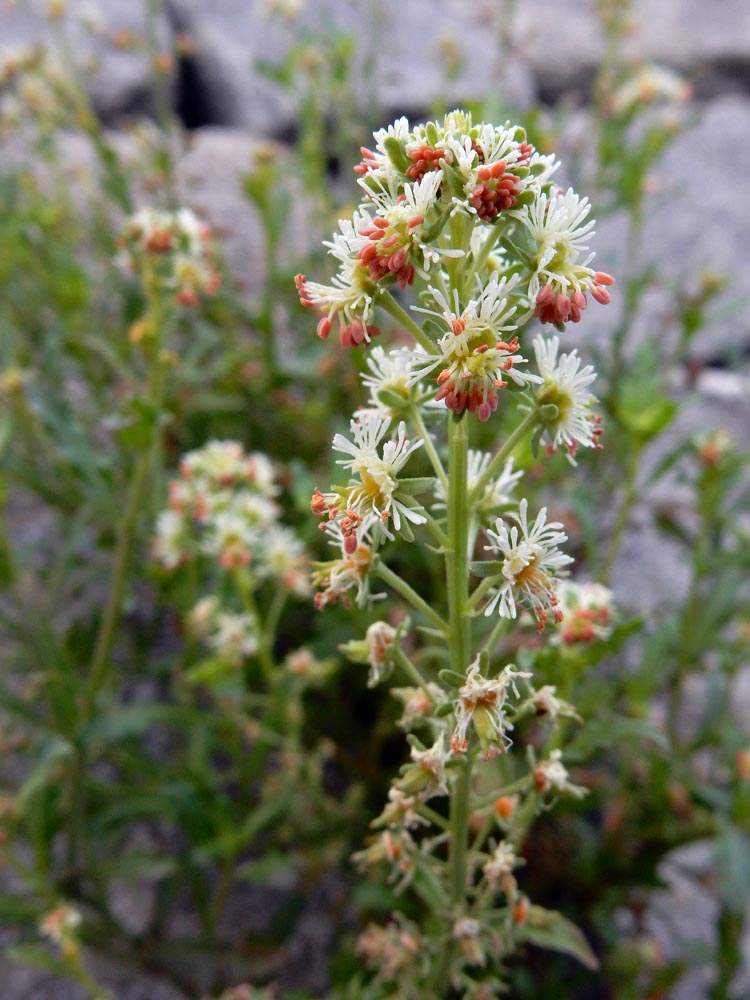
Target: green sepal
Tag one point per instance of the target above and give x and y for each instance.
(417, 485)
(442, 710)
(393, 399)
(451, 678)
(486, 567)
(396, 153)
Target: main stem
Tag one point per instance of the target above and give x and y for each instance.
(457, 569)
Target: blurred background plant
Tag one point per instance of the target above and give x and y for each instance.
(161, 794)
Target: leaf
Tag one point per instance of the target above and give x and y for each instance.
(550, 929)
(417, 484)
(613, 730)
(733, 865)
(53, 751)
(38, 955)
(133, 721)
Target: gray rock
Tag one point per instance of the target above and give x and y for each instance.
(692, 224)
(118, 78)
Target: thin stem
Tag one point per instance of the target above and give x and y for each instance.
(524, 428)
(621, 521)
(418, 603)
(497, 630)
(412, 671)
(387, 301)
(123, 551)
(457, 579)
(430, 814)
(476, 598)
(437, 532)
(429, 446)
(459, 827)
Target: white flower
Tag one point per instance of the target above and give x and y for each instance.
(222, 463)
(530, 562)
(566, 385)
(235, 636)
(392, 372)
(648, 85)
(351, 571)
(501, 865)
(474, 360)
(557, 222)
(425, 776)
(377, 491)
(283, 557)
(169, 547)
(257, 510)
(395, 248)
(350, 297)
(551, 775)
(230, 538)
(481, 701)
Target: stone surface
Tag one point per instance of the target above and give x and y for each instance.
(691, 224)
(118, 78)
(407, 56)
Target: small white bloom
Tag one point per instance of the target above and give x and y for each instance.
(481, 701)
(531, 562)
(377, 491)
(170, 542)
(351, 571)
(390, 371)
(235, 636)
(551, 775)
(558, 223)
(231, 539)
(501, 864)
(566, 385)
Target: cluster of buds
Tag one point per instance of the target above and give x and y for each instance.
(175, 248)
(587, 613)
(61, 927)
(414, 183)
(390, 949)
(222, 512)
(222, 507)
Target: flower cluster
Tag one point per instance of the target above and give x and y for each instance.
(222, 507)
(223, 514)
(587, 612)
(176, 248)
(531, 234)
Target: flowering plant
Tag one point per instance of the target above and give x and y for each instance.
(470, 216)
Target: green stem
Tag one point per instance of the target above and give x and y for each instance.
(418, 603)
(123, 552)
(457, 579)
(524, 428)
(412, 671)
(497, 630)
(437, 532)
(621, 521)
(387, 301)
(476, 598)
(429, 446)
